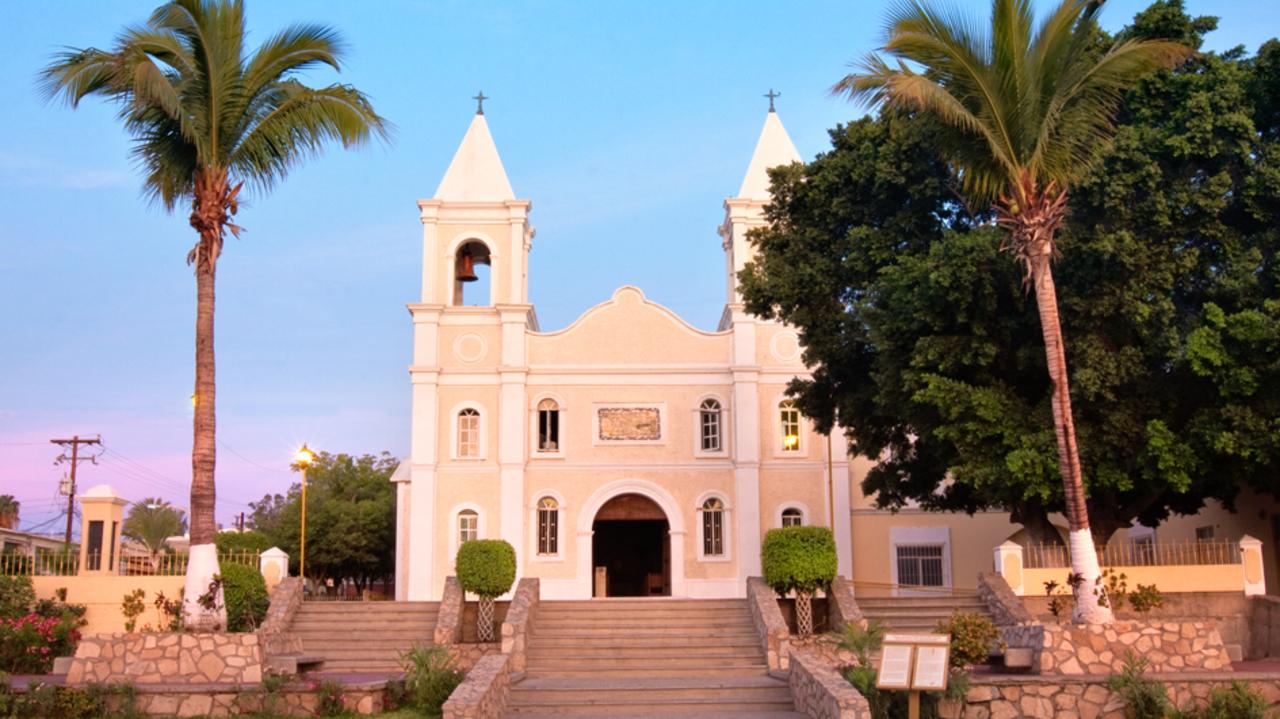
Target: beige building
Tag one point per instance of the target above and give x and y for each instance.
(628, 453)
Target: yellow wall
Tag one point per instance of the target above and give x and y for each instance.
(972, 541)
(1171, 579)
(103, 596)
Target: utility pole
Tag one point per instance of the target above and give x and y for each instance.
(75, 459)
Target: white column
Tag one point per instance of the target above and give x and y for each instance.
(842, 513)
(422, 487)
(746, 433)
(429, 213)
(512, 434)
(1255, 577)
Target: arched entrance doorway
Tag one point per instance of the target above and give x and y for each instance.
(631, 542)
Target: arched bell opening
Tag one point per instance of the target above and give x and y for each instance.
(472, 275)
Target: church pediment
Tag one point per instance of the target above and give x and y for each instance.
(628, 330)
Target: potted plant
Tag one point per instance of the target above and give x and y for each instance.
(800, 560)
(486, 568)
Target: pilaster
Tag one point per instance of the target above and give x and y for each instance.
(746, 422)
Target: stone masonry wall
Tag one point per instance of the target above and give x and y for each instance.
(842, 607)
(468, 655)
(167, 658)
(449, 618)
(1089, 697)
(1077, 649)
(515, 627)
(770, 626)
(485, 691)
(273, 635)
(1004, 606)
(820, 692)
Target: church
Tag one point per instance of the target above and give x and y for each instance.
(630, 453)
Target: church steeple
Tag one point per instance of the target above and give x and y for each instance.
(773, 148)
(476, 173)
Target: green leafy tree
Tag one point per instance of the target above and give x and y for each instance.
(9, 510)
(247, 542)
(207, 118)
(926, 348)
(151, 522)
(1024, 110)
(351, 505)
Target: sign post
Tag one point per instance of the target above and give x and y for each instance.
(914, 663)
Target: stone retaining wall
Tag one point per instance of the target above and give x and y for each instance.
(1090, 698)
(468, 655)
(273, 635)
(515, 627)
(820, 692)
(485, 691)
(1004, 606)
(225, 700)
(842, 608)
(770, 626)
(171, 658)
(449, 618)
(1076, 649)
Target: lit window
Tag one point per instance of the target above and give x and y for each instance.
(469, 433)
(792, 517)
(710, 424)
(548, 526)
(789, 420)
(713, 528)
(548, 426)
(468, 526)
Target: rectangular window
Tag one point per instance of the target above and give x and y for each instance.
(711, 429)
(548, 531)
(790, 421)
(468, 433)
(713, 532)
(111, 552)
(94, 546)
(920, 565)
(1204, 534)
(1144, 551)
(468, 527)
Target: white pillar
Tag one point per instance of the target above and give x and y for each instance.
(746, 434)
(1008, 560)
(1255, 576)
(842, 513)
(274, 565)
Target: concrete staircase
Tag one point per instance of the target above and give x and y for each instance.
(919, 614)
(647, 658)
(363, 636)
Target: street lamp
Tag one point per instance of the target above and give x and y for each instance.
(303, 459)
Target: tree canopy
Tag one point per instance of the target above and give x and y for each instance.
(927, 349)
(351, 524)
(152, 521)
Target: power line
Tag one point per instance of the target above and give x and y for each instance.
(75, 459)
(133, 469)
(250, 461)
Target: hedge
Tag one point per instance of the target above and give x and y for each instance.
(245, 593)
(799, 558)
(486, 567)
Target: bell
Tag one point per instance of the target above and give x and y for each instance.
(466, 269)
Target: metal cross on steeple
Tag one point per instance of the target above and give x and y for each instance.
(480, 102)
(771, 95)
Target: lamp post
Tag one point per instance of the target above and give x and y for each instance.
(303, 458)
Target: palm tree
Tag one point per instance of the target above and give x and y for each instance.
(1026, 110)
(151, 522)
(206, 119)
(9, 509)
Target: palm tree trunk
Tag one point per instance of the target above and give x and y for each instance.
(1084, 557)
(202, 566)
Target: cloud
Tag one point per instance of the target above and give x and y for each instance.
(36, 172)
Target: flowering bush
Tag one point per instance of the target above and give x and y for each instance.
(29, 643)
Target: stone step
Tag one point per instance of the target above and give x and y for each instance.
(693, 634)
(356, 630)
(689, 686)
(642, 624)
(920, 602)
(596, 653)
(788, 713)
(644, 671)
(658, 708)
(608, 604)
(667, 645)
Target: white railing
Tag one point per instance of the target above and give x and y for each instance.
(1139, 554)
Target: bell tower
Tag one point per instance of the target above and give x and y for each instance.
(469, 340)
(475, 222)
(746, 211)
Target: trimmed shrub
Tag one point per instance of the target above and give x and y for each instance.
(245, 593)
(16, 597)
(238, 542)
(486, 567)
(801, 559)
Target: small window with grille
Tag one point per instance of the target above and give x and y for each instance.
(920, 565)
(792, 517)
(710, 424)
(468, 526)
(713, 528)
(548, 426)
(548, 527)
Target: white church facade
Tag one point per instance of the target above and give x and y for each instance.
(630, 453)
(628, 444)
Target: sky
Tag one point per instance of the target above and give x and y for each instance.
(626, 124)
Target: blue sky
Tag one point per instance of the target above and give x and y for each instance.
(626, 124)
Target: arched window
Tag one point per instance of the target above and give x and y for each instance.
(469, 433)
(789, 424)
(713, 528)
(792, 517)
(548, 526)
(710, 434)
(468, 526)
(548, 426)
(471, 267)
